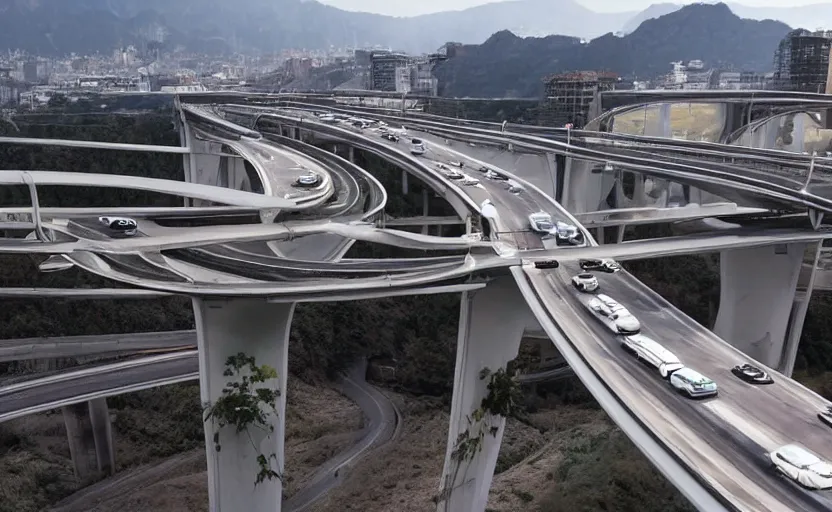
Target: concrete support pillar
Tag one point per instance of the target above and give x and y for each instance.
(335, 148)
(491, 324)
(404, 183)
(260, 329)
(756, 299)
(351, 154)
(586, 187)
(90, 437)
(733, 118)
(799, 133)
(425, 208)
(661, 126)
(805, 287)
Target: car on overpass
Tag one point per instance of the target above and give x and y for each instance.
(826, 416)
(585, 282)
(751, 374)
(546, 264)
(541, 222)
(692, 383)
(122, 225)
(615, 316)
(590, 265)
(309, 179)
(417, 147)
(649, 350)
(392, 137)
(568, 234)
(802, 466)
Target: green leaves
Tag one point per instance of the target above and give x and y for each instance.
(246, 404)
(501, 401)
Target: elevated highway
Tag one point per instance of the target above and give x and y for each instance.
(713, 450)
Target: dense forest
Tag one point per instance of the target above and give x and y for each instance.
(418, 333)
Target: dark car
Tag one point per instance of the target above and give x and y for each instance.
(546, 264)
(123, 225)
(826, 416)
(751, 374)
(607, 266)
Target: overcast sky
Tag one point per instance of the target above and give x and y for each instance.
(415, 7)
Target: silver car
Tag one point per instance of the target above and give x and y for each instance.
(802, 466)
(309, 179)
(417, 147)
(568, 233)
(585, 282)
(541, 222)
(692, 383)
(614, 315)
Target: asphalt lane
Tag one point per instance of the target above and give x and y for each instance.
(515, 208)
(724, 439)
(26, 397)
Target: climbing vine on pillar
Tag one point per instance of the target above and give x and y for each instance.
(245, 404)
(501, 401)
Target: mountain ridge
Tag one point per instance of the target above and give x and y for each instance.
(711, 33)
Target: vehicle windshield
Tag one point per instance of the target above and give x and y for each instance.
(544, 224)
(416, 141)
(585, 276)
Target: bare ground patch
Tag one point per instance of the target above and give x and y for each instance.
(549, 464)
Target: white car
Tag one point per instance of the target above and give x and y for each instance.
(417, 147)
(124, 225)
(468, 181)
(614, 315)
(692, 383)
(568, 233)
(541, 222)
(647, 349)
(309, 179)
(585, 282)
(802, 466)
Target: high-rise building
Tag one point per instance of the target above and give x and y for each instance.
(568, 96)
(801, 62)
(383, 71)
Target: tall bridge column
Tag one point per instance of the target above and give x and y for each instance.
(756, 299)
(661, 127)
(90, 436)
(803, 294)
(259, 329)
(491, 324)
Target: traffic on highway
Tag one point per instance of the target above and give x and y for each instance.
(724, 424)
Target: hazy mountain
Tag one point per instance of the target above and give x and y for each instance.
(86, 26)
(654, 11)
(507, 65)
(809, 17)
